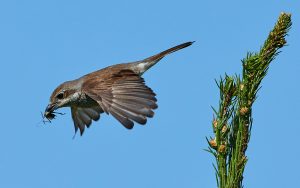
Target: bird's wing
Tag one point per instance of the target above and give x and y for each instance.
(83, 117)
(124, 95)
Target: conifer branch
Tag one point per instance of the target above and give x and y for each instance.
(233, 119)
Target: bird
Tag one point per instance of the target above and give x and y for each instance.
(118, 90)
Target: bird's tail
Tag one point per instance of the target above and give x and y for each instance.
(150, 61)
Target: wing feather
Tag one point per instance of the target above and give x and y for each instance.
(124, 95)
(82, 117)
(125, 121)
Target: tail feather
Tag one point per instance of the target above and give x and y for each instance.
(160, 55)
(150, 61)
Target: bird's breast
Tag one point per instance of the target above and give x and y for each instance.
(85, 101)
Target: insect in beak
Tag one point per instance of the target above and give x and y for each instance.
(49, 113)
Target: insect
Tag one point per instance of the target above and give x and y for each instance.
(50, 116)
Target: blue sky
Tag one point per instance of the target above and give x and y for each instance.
(44, 43)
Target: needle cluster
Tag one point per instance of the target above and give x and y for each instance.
(233, 119)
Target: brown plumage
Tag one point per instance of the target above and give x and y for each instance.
(118, 90)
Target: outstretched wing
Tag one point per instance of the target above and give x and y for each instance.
(123, 95)
(82, 117)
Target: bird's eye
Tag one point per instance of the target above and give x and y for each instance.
(60, 96)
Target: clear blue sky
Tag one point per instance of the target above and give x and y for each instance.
(43, 43)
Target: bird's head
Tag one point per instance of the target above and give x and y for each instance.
(64, 95)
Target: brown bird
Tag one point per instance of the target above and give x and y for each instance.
(118, 90)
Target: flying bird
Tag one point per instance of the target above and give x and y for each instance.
(118, 90)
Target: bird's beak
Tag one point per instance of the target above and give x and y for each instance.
(49, 109)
